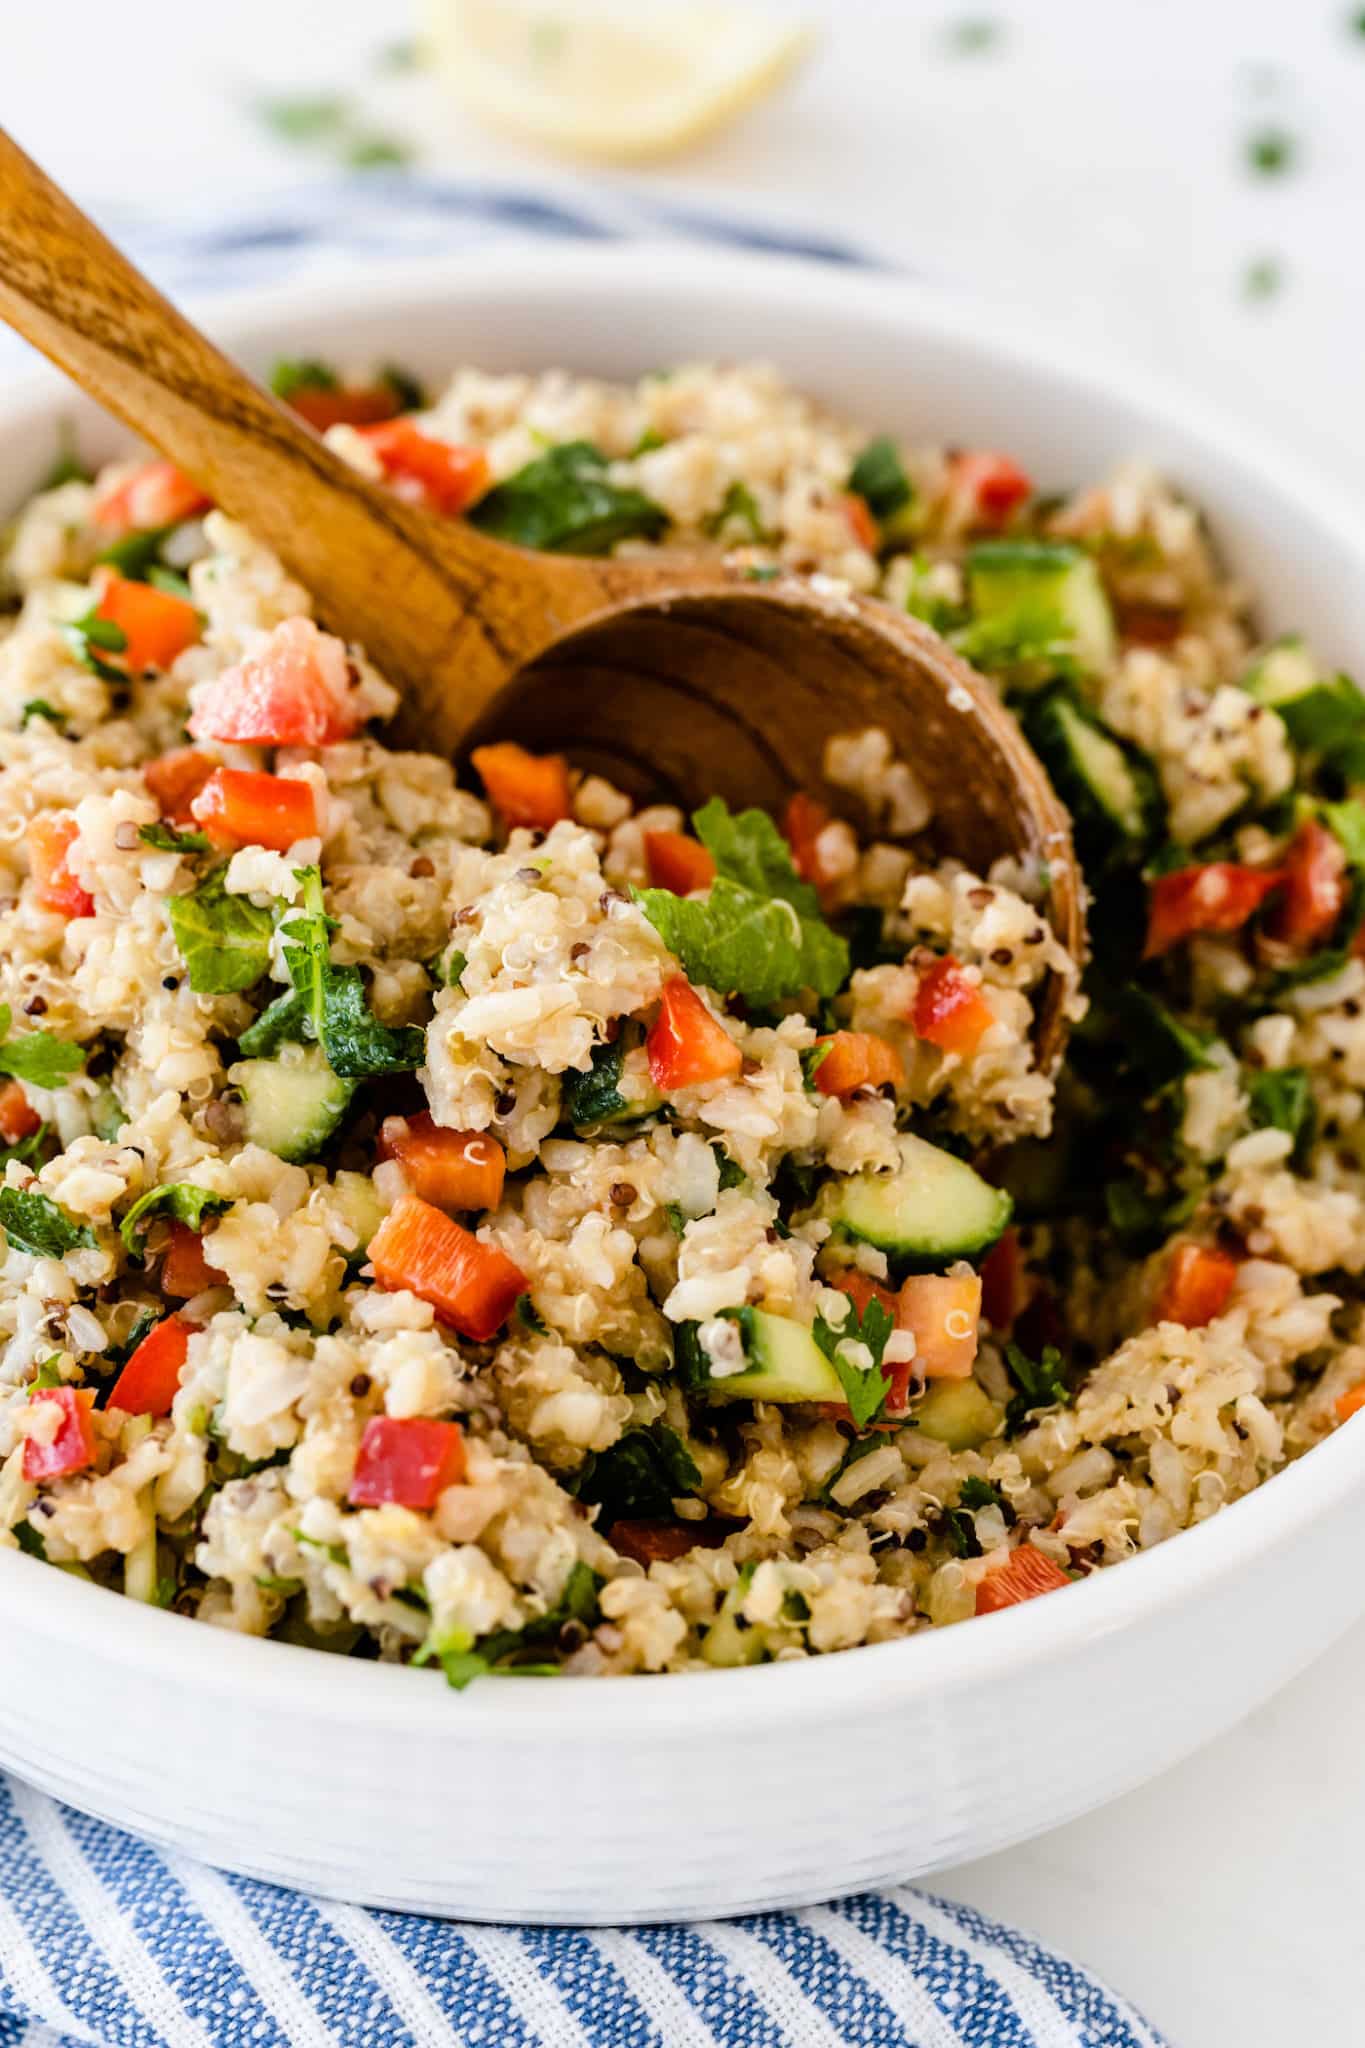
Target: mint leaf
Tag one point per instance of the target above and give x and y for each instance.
(224, 940)
(879, 477)
(748, 848)
(640, 1476)
(328, 1003)
(740, 943)
(38, 1057)
(182, 1199)
(283, 1022)
(33, 1223)
(1281, 1098)
(564, 501)
(866, 1390)
(167, 840)
(595, 1097)
(90, 638)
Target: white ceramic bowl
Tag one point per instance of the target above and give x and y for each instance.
(659, 1798)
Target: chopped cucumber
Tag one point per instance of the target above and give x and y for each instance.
(355, 1196)
(933, 1208)
(1039, 594)
(294, 1102)
(1319, 711)
(782, 1362)
(731, 1640)
(958, 1413)
(1109, 787)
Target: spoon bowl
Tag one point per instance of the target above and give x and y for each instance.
(678, 675)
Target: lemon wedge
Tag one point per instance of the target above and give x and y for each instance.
(601, 82)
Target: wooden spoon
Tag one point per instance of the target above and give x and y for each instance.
(673, 674)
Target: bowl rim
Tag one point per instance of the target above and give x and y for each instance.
(279, 1677)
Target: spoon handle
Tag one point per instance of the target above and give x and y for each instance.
(422, 596)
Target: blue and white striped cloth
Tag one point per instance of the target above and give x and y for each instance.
(105, 1941)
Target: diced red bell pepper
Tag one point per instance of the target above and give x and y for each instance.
(1198, 1286)
(156, 625)
(685, 1044)
(441, 475)
(943, 1311)
(678, 862)
(157, 494)
(452, 1169)
(950, 1010)
(406, 1461)
(1218, 897)
(150, 1380)
(804, 819)
(861, 523)
(988, 487)
(50, 836)
(471, 1285)
(18, 1118)
(292, 692)
(1025, 1574)
(1351, 1402)
(185, 1270)
(242, 807)
(663, 1542)
(344, 405)
(1314, 889)
(1002, 1282)
(857, 1059)
(175, 780)
(524, 789)
(72, 1449)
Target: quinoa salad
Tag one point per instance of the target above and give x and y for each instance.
(503, 1229)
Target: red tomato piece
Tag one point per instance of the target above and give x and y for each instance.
(185, 1270)
(452, 1169)
(524, 789)
(241, 807)
(1314, 888)
(678, 863)
(1198, 1286)
(157, 494)
(663, 1542)
(175, 780)
(943, 1311)
(950, 1010)
(156, 624)
(1024, 1575)
(686, 1044)
(471, 1285)
(18, 1118)
(50, 837)
(441, 475)
(989, 487)
(857, 1059)
(1217, 897)
(72, 1449)
(1002, 1282)
(343, 405)
(861, 523)
(150, 1380)
(804, 819)
(406, 1461)
(292, 692)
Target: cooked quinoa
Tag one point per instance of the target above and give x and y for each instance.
(430, 1237)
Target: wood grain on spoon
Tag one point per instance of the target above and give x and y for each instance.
(671, 672)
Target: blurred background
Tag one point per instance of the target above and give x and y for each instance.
(1173, 183)
(1178, 181)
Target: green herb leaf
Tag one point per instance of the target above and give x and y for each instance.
(731, 1175)
(368, 152)
(181, 1199)
(1262, 279)
(145, 1320)
(1347, 820)
(752, 946)
(1271, 152)
(90, 638)
(748, 848)
(960, 1530)
(167, 840)
(39, 1057)
(38, 707)
(677, 1221)
(306, 117)
(529, 1316)
(291, 374)
(641, 1476)
(564, 501)
(866, 1391)
(134, 554)
(739, 503)
(328, 1003)
(503, 1653)
(49, 1374)
(33, 1223)
(172, 582)
(1040, 1385)
(224, 940)
(879, 477)
(1281, 1098)
(594, 1096)
(979, 1493)
(408, 391)
(29, 1540)
(283, 1022)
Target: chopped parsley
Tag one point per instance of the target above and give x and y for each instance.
(135, 553)
(91, 638)
(1039, 1385)
(641, 1476)
(529, 1316)
(564, 502)
(866, 1388)
(594, 1096)
(166, 839)
(38, 1057)
(33, 1223)
(224, 940)
(510, 1651)
(38, 707)
(181, 1199)
(1281, 1098)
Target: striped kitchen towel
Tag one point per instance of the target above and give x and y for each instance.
(106, 1941)
(103, 1940)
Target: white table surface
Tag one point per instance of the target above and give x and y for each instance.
(1089, 168)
